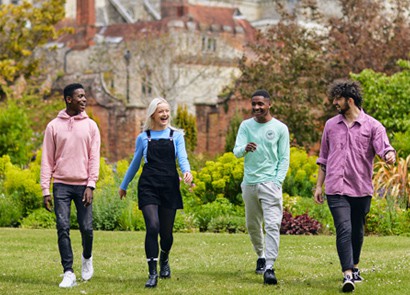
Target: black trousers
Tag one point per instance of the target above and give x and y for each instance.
(63, 195)
(349, 216)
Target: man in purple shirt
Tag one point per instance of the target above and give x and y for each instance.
(350, 142)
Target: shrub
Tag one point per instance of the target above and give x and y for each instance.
(320, 212)
(220, 207)
(107, 209)
(302, 173)
(299, 225)
(39, 218)
(220, 177)
(131, 217)
(228, 224)
(11, 211)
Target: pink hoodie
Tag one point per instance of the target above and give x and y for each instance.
(71, 151)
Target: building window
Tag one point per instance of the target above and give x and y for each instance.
(208, 44)
(146, 86)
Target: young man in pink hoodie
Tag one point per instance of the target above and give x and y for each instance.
(71, 157)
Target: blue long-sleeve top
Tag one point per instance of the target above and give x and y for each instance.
(141, 145)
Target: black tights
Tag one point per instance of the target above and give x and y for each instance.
(158, 220)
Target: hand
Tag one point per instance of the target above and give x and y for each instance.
(47, 203)
(88, 197)
(250, 147)
(390, 157)
(122, 193)
(318, 195)
(188, 177)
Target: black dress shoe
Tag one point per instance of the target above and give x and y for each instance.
(269, 277)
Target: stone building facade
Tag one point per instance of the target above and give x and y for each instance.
(188, 57)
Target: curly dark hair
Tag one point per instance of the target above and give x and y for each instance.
(346, 88)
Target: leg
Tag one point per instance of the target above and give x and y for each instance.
(360, 208)
(62, 202)
(270, 196)
(166, 220)
(152, 225)
(254, 218)
(85, 221)
(340, 208)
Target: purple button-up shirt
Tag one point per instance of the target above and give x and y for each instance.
(348, 154)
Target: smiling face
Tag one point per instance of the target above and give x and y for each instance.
(341, 105)
(161, 117)
(77, 102)
(260, 109)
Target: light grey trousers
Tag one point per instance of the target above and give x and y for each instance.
(263, 205)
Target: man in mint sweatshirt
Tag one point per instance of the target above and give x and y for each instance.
(71, 157)
(264, 142)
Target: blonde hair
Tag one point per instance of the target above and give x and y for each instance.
(151, 110)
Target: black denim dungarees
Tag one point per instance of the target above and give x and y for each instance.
(159, 180)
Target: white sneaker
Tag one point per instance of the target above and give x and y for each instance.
(69, 280)
(87, 270)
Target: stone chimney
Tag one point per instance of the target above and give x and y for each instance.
(173, 8)
(85, 21)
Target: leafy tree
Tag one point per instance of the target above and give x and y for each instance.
(387, 98)
(289, 64)
(23, 29)
(187, 122)
(295, 63)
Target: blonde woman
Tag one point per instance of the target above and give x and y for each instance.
(159, 194)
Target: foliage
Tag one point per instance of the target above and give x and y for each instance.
(187, 122)
(302, 173)
(401, 142)
(39, 218)
(131, 217)
(23, 29)
(295, 62)
(297, 206)
(107, 209)
(386, 218)
(298, 225)
(393, 181)
(228, 224)
(204, 214)
(221, 177)
(387, 98)
(15, 134)
(289, 64)
(232, 132)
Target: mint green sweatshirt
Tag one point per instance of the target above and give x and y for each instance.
(71, 151)
(270, 161)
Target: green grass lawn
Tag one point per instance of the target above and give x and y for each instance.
(201, 263)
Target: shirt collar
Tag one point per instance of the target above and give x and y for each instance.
(360, 120)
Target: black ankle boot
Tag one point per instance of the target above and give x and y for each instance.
(164, 269)
(153, 275)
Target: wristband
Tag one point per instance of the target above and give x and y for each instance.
(91, 188)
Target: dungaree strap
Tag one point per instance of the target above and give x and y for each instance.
(171, 133)
(148, 135)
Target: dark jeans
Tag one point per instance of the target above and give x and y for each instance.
(349, 215)
(63, 194)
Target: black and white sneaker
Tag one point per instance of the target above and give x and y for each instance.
(348, 284)
(260, 266)
(357, 278)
